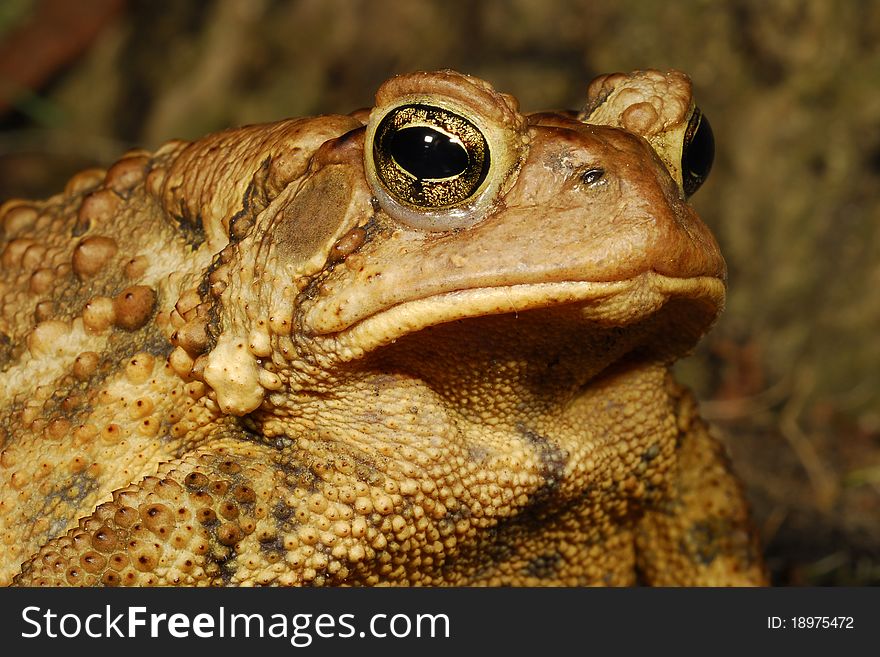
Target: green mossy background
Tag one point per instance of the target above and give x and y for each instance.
(791, 374)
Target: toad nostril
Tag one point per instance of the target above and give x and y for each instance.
(592, 176)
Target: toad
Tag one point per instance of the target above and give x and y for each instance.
(424, 344)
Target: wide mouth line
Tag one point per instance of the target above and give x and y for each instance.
(410, 315)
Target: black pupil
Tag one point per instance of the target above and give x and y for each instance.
(696, 161)
(427, 153)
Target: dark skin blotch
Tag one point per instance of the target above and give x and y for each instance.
(255, 200)
(704, 539)
(651, 453)
(553, 461)
(85, 486)
(297, 475)
(273, 545)
(190, 228)
(544, 566)
(5, 349)
(282, 512)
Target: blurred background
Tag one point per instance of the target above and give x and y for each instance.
(791, 374)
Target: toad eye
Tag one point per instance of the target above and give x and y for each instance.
(592, 176)
(426, 153)
(698, 152)
(429, 157)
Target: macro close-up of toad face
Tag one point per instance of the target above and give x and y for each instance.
(427, 343)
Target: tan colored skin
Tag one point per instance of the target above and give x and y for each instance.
(232, 362)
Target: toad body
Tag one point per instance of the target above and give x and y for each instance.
(426, 344)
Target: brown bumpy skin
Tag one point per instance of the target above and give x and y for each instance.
(244, 361)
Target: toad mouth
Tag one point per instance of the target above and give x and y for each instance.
(617, 303)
